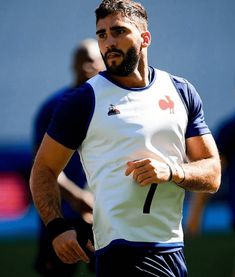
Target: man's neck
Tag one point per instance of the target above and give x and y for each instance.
(136, 79)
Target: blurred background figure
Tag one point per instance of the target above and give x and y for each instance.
(225, 139)
(197, 204)
(226, 146)
(77, 202)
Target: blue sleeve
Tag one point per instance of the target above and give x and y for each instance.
(43, 118)
(194, 107)
(72, 117)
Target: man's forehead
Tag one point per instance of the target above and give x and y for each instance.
(114, 20)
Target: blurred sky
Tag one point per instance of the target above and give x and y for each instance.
(193, 39)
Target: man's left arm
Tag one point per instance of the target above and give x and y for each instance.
(203, 172)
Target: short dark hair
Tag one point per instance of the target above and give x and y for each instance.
(127, 8)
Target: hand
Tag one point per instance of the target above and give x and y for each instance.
(148, 171)
(68, 249)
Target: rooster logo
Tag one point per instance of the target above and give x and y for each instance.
(167, 104)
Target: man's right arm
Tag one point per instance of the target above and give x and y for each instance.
(50, 160)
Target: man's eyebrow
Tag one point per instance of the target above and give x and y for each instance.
(112, 29)
(100, 31)
(117, 28)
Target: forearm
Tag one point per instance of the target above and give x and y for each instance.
(45, 193)
(201, 176)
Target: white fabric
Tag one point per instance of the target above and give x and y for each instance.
(151, 124)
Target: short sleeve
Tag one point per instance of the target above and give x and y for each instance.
(43, 117)
(194, 106)
(72, 117)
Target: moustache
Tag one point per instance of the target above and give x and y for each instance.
(113, 50)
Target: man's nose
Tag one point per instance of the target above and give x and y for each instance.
(110, 42)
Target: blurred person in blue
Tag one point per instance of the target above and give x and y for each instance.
(77, 202)
(225, 137)
(225, 140)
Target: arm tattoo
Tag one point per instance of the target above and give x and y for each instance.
(46, 193)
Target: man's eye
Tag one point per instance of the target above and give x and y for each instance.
(120, 31)
(102, 35)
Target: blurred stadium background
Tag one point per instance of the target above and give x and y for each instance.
(194, 39)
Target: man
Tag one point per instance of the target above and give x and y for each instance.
(143, 141)
(76, 201)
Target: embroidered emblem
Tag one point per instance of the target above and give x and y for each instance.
(167, 104)
(113, 110)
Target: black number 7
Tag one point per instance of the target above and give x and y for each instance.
(149, 198)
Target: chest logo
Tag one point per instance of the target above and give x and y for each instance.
(167, 103)
(113, 110)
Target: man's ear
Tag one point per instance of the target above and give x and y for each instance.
(146, 37)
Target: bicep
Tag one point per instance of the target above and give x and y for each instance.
(201, 147)
(52, 155)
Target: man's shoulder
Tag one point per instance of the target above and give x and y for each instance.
(186, 90)
(177, 80)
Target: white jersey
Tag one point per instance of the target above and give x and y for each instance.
(130, 124)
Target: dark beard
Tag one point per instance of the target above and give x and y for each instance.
(128, 64)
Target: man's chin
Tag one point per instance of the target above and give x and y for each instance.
(113, 64)
(112, 69)
(118, 70)
(117, 73)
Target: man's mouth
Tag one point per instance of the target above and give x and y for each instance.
(113, 55)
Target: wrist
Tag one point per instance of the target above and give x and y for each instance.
(56, 227)
(170, 173)
(178, 174)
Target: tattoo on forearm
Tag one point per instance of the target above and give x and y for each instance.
(46, 194)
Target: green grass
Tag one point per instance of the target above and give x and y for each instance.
(210, 255)
(17, 259)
